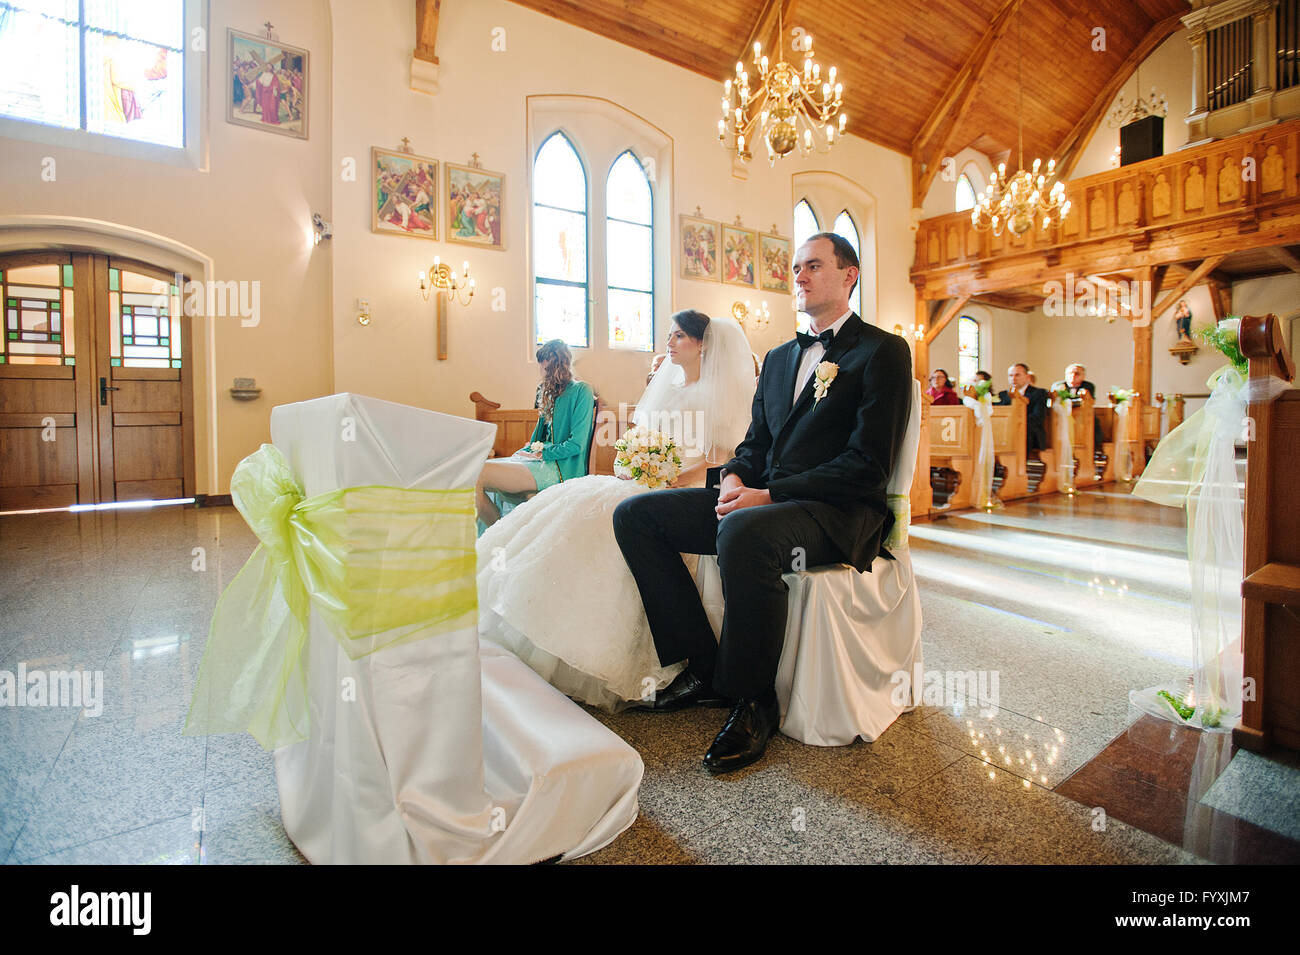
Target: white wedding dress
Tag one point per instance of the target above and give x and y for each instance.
(553, 587)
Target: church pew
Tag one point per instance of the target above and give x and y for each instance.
(1009, 427)
(1270, 591)
(1106, 419)
(514, 425)
(953, 443)
(1081, 440)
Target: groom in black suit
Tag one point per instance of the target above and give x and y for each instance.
(807, 487)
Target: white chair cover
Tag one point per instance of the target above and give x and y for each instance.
(847, 634)
(441, 756)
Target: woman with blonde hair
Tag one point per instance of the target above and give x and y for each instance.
(567, 409)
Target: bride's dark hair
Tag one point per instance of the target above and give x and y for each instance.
(561, 374)
(693, 323)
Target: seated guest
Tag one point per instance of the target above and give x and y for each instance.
(1075, 381)
(941, 390)
(1036, 413)
(563, 428)
(983, 376)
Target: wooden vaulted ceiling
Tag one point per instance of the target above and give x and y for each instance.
(927, 78)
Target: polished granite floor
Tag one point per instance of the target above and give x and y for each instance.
(1073, 602)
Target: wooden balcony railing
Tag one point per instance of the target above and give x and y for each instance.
(1236, 193)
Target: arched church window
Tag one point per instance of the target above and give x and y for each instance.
(968, 349)
(965, 194)
(805, 222)
(846, 227)
(560, 305)
(629, 254)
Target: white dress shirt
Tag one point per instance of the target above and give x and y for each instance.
(812, 355)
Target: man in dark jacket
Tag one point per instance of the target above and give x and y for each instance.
(807, 486)
(1036, 413)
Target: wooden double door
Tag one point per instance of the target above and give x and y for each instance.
(96, 388)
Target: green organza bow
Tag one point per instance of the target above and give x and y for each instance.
(381, 566)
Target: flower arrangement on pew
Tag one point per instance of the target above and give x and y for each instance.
(980, 389)
(647, 457)
(1223, 337)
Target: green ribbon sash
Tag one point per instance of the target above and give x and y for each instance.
(381, 566)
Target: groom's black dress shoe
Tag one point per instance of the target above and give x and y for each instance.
(744, 736)
(686, 690)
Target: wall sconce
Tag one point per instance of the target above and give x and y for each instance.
(913, 330)
(320, 229)
(442, 282)
(745, 312)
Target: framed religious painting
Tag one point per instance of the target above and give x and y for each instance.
(474, 206)
(403, 194)
(739, 256)
(774, 263)
(268, 85)
(698, 247)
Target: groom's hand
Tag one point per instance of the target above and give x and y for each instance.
(735, 495)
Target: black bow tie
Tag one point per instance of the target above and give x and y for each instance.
(806, 341)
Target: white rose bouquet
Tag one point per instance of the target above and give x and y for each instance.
(647, 457)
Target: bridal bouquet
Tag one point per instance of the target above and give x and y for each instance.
(647, 457)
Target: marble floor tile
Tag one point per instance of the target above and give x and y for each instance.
(241, 826)
(170, 842)
(1261, 789)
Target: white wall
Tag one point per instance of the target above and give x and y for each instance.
(248, 211)
(1004, 336)
(482, 108)
(1169, 69)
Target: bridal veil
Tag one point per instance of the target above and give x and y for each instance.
(726, 394)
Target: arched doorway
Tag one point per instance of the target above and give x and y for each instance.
(96, 386)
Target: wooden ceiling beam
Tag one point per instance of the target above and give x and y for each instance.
(932, 141)
(1285, 256)
(1198, 274)
(1071, 148)
(765, 31)
(426, 29)
(946, 314)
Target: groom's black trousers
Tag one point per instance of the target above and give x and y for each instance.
(755, 546)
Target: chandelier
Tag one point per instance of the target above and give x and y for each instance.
(788, 110)
(1019, 202)
(1126, 112)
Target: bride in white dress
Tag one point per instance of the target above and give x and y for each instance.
(553, 587)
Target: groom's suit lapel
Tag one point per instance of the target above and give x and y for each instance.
(848, 335)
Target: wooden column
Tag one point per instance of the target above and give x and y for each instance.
(921, 349)
(1141, 368)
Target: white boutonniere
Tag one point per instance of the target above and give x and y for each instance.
(822, 378)
(536, 447)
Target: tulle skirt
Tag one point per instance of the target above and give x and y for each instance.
(553, 589)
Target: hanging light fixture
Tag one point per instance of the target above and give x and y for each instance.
(1126, 112)
(787, 110)
(1028, 199)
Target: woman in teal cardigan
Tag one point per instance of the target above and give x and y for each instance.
(567, 408)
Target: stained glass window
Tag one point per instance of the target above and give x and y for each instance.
(968, 349)
(560, 243)
(40, 327)
(112, 67)
(844, 226)
(629, 244)
(144, 321)
(965, 194)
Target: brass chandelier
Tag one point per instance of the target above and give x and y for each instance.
(1028, 199)
(787, 110)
